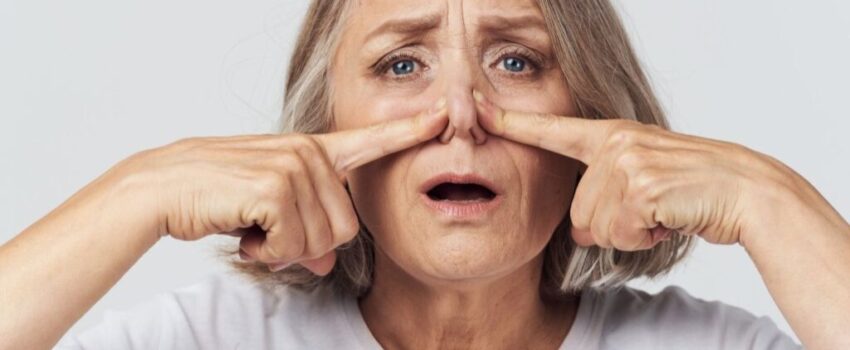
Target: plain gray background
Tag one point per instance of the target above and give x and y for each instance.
(86, 83)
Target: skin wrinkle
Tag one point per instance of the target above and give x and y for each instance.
(438, 284)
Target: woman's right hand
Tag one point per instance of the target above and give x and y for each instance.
(286, 190)
(283, 194)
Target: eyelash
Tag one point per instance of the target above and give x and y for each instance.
(382, 67)
(534, 63)
(385, 64)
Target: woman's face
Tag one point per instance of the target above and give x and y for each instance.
(396, 59)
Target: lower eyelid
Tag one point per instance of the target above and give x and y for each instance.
(417, 74)
(530, 68)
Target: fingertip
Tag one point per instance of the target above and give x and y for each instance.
(447, 134)
(433, 122)
(478, 96)
(478, 134)
(441, 104)
(489, 115)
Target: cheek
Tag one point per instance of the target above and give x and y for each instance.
(375, 189)
(548, 95)
(549, 182)
(361, 111)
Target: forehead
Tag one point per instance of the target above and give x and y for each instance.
(394, 8)
(375, 24)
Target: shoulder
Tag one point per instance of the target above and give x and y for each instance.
(673, 318)
(222, 311)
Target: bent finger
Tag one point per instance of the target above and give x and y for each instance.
(630, 222)
(317, 231)
(283, 237)
(332, 196)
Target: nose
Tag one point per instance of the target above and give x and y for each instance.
(458, 81)
(463, 118)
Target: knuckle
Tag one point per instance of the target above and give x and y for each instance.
(270, 252)
(578, 214)
(623, 133)
(623, 136)
(292, 164)
(320, 244)
(622, 240)
(644, 185)
(655, 128)
(545, 120)
(272, 184)
(601, 240)
(633, 159)
(378, 129)
(350, 228)
(292, 250)
(276, 251)
(302, 143)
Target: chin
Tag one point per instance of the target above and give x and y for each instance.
(467, 256)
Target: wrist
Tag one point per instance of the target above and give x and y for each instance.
(786, 214)
(131, 200)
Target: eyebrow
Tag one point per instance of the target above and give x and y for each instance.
(499, 23)
(407, 26)
(492, 23)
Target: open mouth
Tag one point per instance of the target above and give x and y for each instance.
(460, 192)
(465, 197)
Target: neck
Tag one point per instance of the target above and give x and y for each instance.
(505, 312)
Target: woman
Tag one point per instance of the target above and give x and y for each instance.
(434, 188)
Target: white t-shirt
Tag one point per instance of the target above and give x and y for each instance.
(227, 312)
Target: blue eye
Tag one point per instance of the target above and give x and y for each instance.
(403, 67)
(513, 64)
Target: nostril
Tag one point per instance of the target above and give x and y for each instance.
(463, 119)
(462, 114)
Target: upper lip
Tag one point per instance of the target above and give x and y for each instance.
(455, 178)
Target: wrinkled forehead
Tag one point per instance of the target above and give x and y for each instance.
(468, 7)
(371, 21)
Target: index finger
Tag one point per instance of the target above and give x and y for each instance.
(350, 149)
(573, 137)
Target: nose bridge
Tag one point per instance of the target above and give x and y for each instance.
(460, 75)
(459, 84)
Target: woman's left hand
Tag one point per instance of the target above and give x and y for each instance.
(643, 181)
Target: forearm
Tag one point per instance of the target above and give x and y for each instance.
(56, 269)
(803, 254)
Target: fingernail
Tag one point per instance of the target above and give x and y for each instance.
(278, 267)
(447, 134)
(478, 135)
(478, 96)
(244, 256)
(438, 106)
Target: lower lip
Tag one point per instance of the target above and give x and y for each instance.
(460, 209)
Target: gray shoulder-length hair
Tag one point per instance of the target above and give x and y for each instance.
(605, 80)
